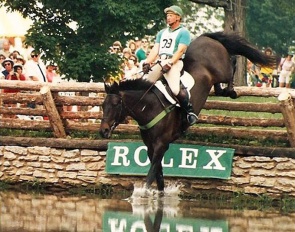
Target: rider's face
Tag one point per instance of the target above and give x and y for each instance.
(172, 18)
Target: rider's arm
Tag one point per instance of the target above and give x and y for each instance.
(153, 54)
(178, 54)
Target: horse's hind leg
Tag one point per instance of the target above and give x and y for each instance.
(229, 90)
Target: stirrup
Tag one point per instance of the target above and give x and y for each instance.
(192, 118)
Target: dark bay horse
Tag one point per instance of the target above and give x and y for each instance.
(209, 61)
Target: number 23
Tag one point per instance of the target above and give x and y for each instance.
(167, 43)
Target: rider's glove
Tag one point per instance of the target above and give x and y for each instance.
(146, 67)
(166, 68)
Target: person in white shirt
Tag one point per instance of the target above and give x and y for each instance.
(35, 68)
(286, 68)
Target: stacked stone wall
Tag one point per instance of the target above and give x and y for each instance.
(84, 167)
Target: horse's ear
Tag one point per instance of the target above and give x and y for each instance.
(107, 87)
(111, 88)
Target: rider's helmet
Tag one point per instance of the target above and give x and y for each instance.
(174, 9)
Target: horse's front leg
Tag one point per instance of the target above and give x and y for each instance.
(156, 169)
(155, 173)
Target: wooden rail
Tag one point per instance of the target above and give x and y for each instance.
(50, 102)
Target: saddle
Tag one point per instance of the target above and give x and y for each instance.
(186, 80)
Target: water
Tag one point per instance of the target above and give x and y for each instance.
(141, 212)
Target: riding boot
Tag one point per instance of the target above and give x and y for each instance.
(183, 100)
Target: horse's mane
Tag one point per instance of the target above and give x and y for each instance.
(135, 84)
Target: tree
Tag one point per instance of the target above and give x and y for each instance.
(235, 14)
(81, 52)
(270, 23)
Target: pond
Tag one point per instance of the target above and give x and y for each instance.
(56, 212)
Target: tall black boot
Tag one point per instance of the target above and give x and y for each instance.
(183, 99)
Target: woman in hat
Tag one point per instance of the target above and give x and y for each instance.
(15, 75)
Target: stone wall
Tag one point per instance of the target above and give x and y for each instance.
(83, 167)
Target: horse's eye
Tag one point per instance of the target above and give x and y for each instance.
(115, 102)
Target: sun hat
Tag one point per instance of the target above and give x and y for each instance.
(18, 65)
(7, 60)
(175, 9)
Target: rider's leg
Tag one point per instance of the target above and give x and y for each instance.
(183, 99)
(173, 79)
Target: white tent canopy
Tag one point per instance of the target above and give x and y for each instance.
(13, 24)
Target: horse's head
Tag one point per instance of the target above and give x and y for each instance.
(113, 111)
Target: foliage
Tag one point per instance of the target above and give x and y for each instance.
(201, 18)
(270, 23)
(81, 51)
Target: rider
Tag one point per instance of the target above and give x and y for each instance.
(170, 46)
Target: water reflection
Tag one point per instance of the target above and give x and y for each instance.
(27, 212)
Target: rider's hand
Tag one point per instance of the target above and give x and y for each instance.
(166, 68)
(146, 67)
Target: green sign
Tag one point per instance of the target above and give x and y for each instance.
(180, 160)
(118, 221)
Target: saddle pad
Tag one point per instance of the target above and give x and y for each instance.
(186, 79)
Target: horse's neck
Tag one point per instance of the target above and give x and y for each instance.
(139, 103)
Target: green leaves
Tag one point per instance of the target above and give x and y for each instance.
(82, 52)
(270, 23)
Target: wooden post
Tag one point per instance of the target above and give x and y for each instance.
(54, 118)
(288, 111)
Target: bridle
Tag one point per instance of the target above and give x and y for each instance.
(118, 117)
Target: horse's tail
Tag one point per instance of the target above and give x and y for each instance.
(237, 45)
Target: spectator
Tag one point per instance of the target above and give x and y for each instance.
(126, 53)
(5, 48)
(142, 50)
(2, 58)
(132, 46)
(117, 48)
(20, 60)
(7, 64)
(35, 68)
(131, 68)
(13, 74)
(51, 74)
(286, 68)
(14, 55)
(265, 73)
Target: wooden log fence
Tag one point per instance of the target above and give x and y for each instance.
(51, 97)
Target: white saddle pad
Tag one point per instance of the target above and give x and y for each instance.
(186, 79)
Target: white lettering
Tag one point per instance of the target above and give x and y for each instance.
(168, 165)
(121, 152)
(213, 229)
(184, 228)
(165, 227)
(138, 225)
(116, 226)
(137, 156)
(189, 156)
(214, 160)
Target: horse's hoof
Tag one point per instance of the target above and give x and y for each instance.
(161, 194)
(233, 95)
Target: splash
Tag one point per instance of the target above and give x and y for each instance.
(147, 201)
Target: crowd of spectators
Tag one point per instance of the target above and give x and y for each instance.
(132, 56)
(24, 67)
(281, 75)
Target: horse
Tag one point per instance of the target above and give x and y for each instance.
(210, 60)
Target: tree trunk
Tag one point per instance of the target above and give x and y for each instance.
(234, 21)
